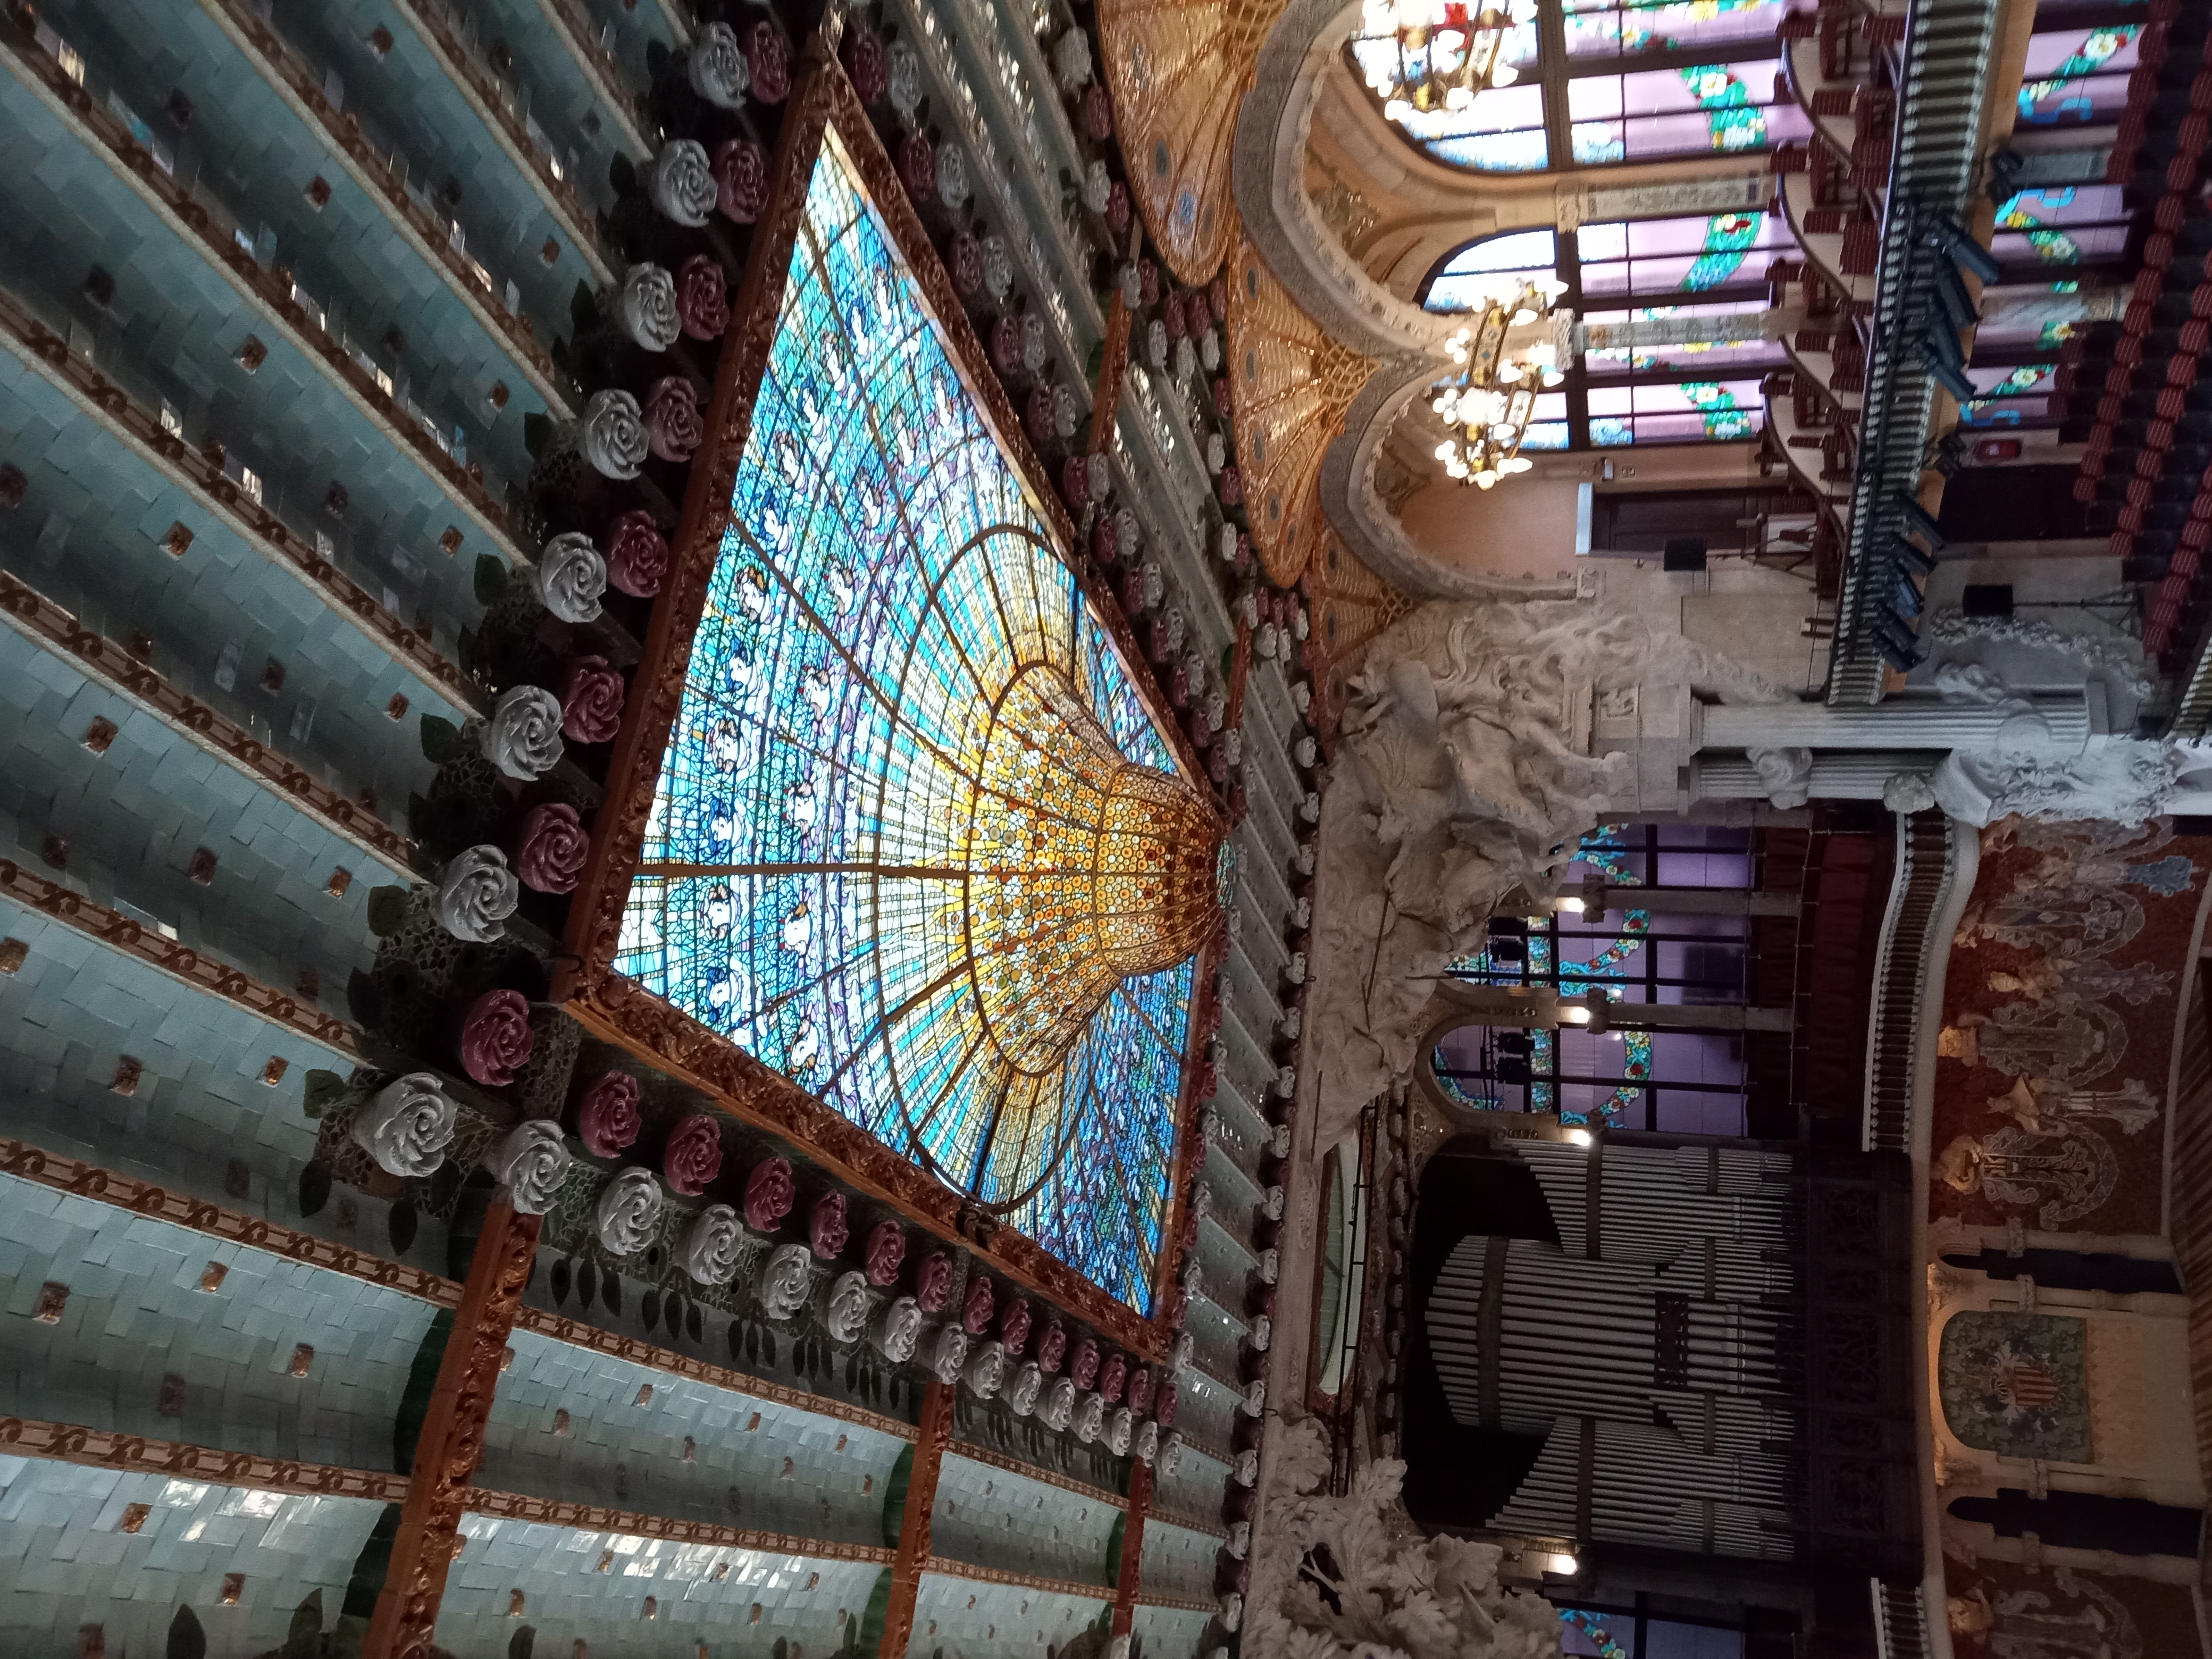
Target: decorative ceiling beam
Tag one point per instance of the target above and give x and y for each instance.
(452, 1443)
(1132, 1547)
(914, 1523)
(134, 1454)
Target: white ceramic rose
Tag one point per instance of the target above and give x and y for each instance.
(570, 577)
(718, 70)
(897, 1330)
(1121, 1430)
(645, 309)
(478, 893)
(1170, 1454)
(948, 1354)
(1059, 1407)
(1022, 1393)
(783, 1283)
(1254, 1402)
(845, 1307)
(615, 441)
(406, 1125)
(522, 738)
(985, 1373)
(1145, 1447)
(713, 1244)
(681, 183)
(532, 1162)
(1090, 1418)
(1262, 1334)
(629, 1211)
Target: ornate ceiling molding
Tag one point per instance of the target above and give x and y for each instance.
(1272, 128)
(1348, 494)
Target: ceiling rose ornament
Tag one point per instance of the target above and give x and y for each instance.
(1430, 55)
(1514, 347)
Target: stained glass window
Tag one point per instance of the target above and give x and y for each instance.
(2073, 77)
(1701, 385)
(918, 843)
(1635, 81)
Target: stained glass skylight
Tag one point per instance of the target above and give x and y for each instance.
(918, 843)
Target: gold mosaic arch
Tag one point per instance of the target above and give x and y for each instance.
(1178, 70)
(1349, 604)
(1293, 383)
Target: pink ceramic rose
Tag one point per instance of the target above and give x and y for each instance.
(917, 166)
(740, 180)
(1140, 1390)
(1164, 1407)
(1111, 1376)
(769, 63)
(885, 1252)
(1178, 1308)
(976, 1308)
(1006, 344)
(495, 1037)
(864, 66)
(932, 1282)
(1014, 1326)
(1084, 1367)
(606, 1118)
(702, 296)
(964, 263)
(827, 1228)
(693, 1156)
(637, 554)
(550, 852)
(672, 427)
(591, 701)
(769, 1194)
(1229, 486)
(1052, 1348)
(1097, 113)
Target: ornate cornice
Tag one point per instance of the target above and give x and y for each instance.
(636, 1524)
(38, 618)
(1347, 493)
(1273, 125)
(269, 294)
(132, 1454)
(943, 1566)
(47, 355)
(179, 961)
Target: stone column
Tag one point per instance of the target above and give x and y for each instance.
(1835, 776)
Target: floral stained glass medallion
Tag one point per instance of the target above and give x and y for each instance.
(918, 843)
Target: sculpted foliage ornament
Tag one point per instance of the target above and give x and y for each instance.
(1352, 1578)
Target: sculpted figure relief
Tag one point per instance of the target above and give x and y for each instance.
(1460, 777)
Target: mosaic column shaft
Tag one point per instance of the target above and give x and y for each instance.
(452, 1442)
(929, 1447)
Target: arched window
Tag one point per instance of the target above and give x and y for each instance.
(1705, 272)
(1598, 82)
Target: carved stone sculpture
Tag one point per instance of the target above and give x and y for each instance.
(1335, 1578)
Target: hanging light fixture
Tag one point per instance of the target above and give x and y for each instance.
(1432, 56)
(1506, 355)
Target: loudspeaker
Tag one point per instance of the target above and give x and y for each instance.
(1987, 600)
(1683, 553)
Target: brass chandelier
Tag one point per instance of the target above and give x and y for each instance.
(1506, 355)
(1446, 54)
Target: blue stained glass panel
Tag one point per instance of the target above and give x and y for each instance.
(919, 843)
